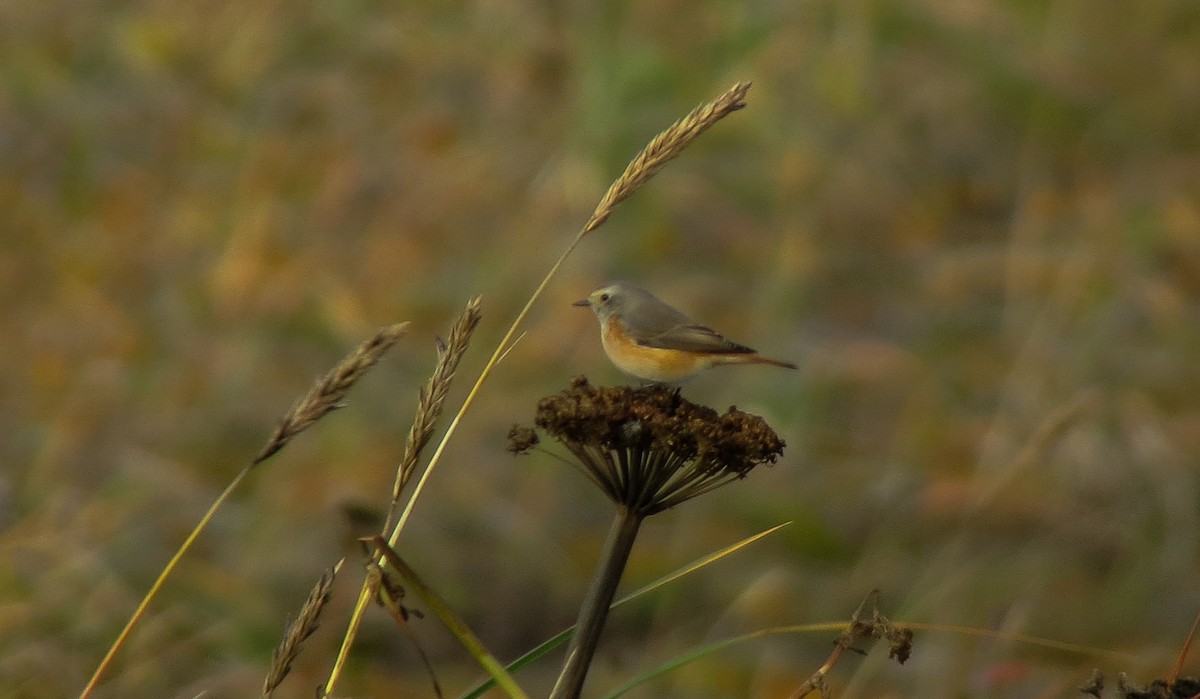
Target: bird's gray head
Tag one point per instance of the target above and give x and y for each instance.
(614, 297)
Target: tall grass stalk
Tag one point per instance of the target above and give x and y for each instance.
(652, 158)
(324, 397)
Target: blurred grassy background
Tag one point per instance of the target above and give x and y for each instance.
(976, 224)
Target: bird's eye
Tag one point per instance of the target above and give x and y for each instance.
(603, 298)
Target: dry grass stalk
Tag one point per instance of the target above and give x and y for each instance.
(298, 630)
(650, 160)
(664, 147)
(326, 395)
(433, 396)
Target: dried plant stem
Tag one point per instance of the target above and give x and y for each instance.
(325, 396)
(844, 641)
(861, 627)
(661, 149)
(594, 610)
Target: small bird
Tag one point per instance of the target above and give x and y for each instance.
(649, 340)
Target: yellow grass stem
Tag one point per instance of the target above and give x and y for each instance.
(661, 149)
(322, 398)
(162, 577)
(447, 616)
(365, 592)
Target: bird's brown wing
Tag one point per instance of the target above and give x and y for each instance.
(652, 323)
(693, 338)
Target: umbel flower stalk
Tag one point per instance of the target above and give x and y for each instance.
(648, 449)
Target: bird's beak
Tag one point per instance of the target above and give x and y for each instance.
(583, 303)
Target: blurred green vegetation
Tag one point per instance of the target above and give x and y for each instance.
(976, 225)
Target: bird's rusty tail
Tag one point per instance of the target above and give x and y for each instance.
(754, 359)
(759, 359)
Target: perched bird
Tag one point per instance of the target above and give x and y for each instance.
(649, 340)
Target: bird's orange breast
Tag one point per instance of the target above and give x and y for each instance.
(650, 363)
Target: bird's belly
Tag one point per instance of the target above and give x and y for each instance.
(651, 363)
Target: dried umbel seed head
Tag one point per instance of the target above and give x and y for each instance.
(649, 448)
(522, 439)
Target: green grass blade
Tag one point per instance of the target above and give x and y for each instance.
(563, 636)
(701, 651)
(500, 676)
(698, 564)
(697, 653)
